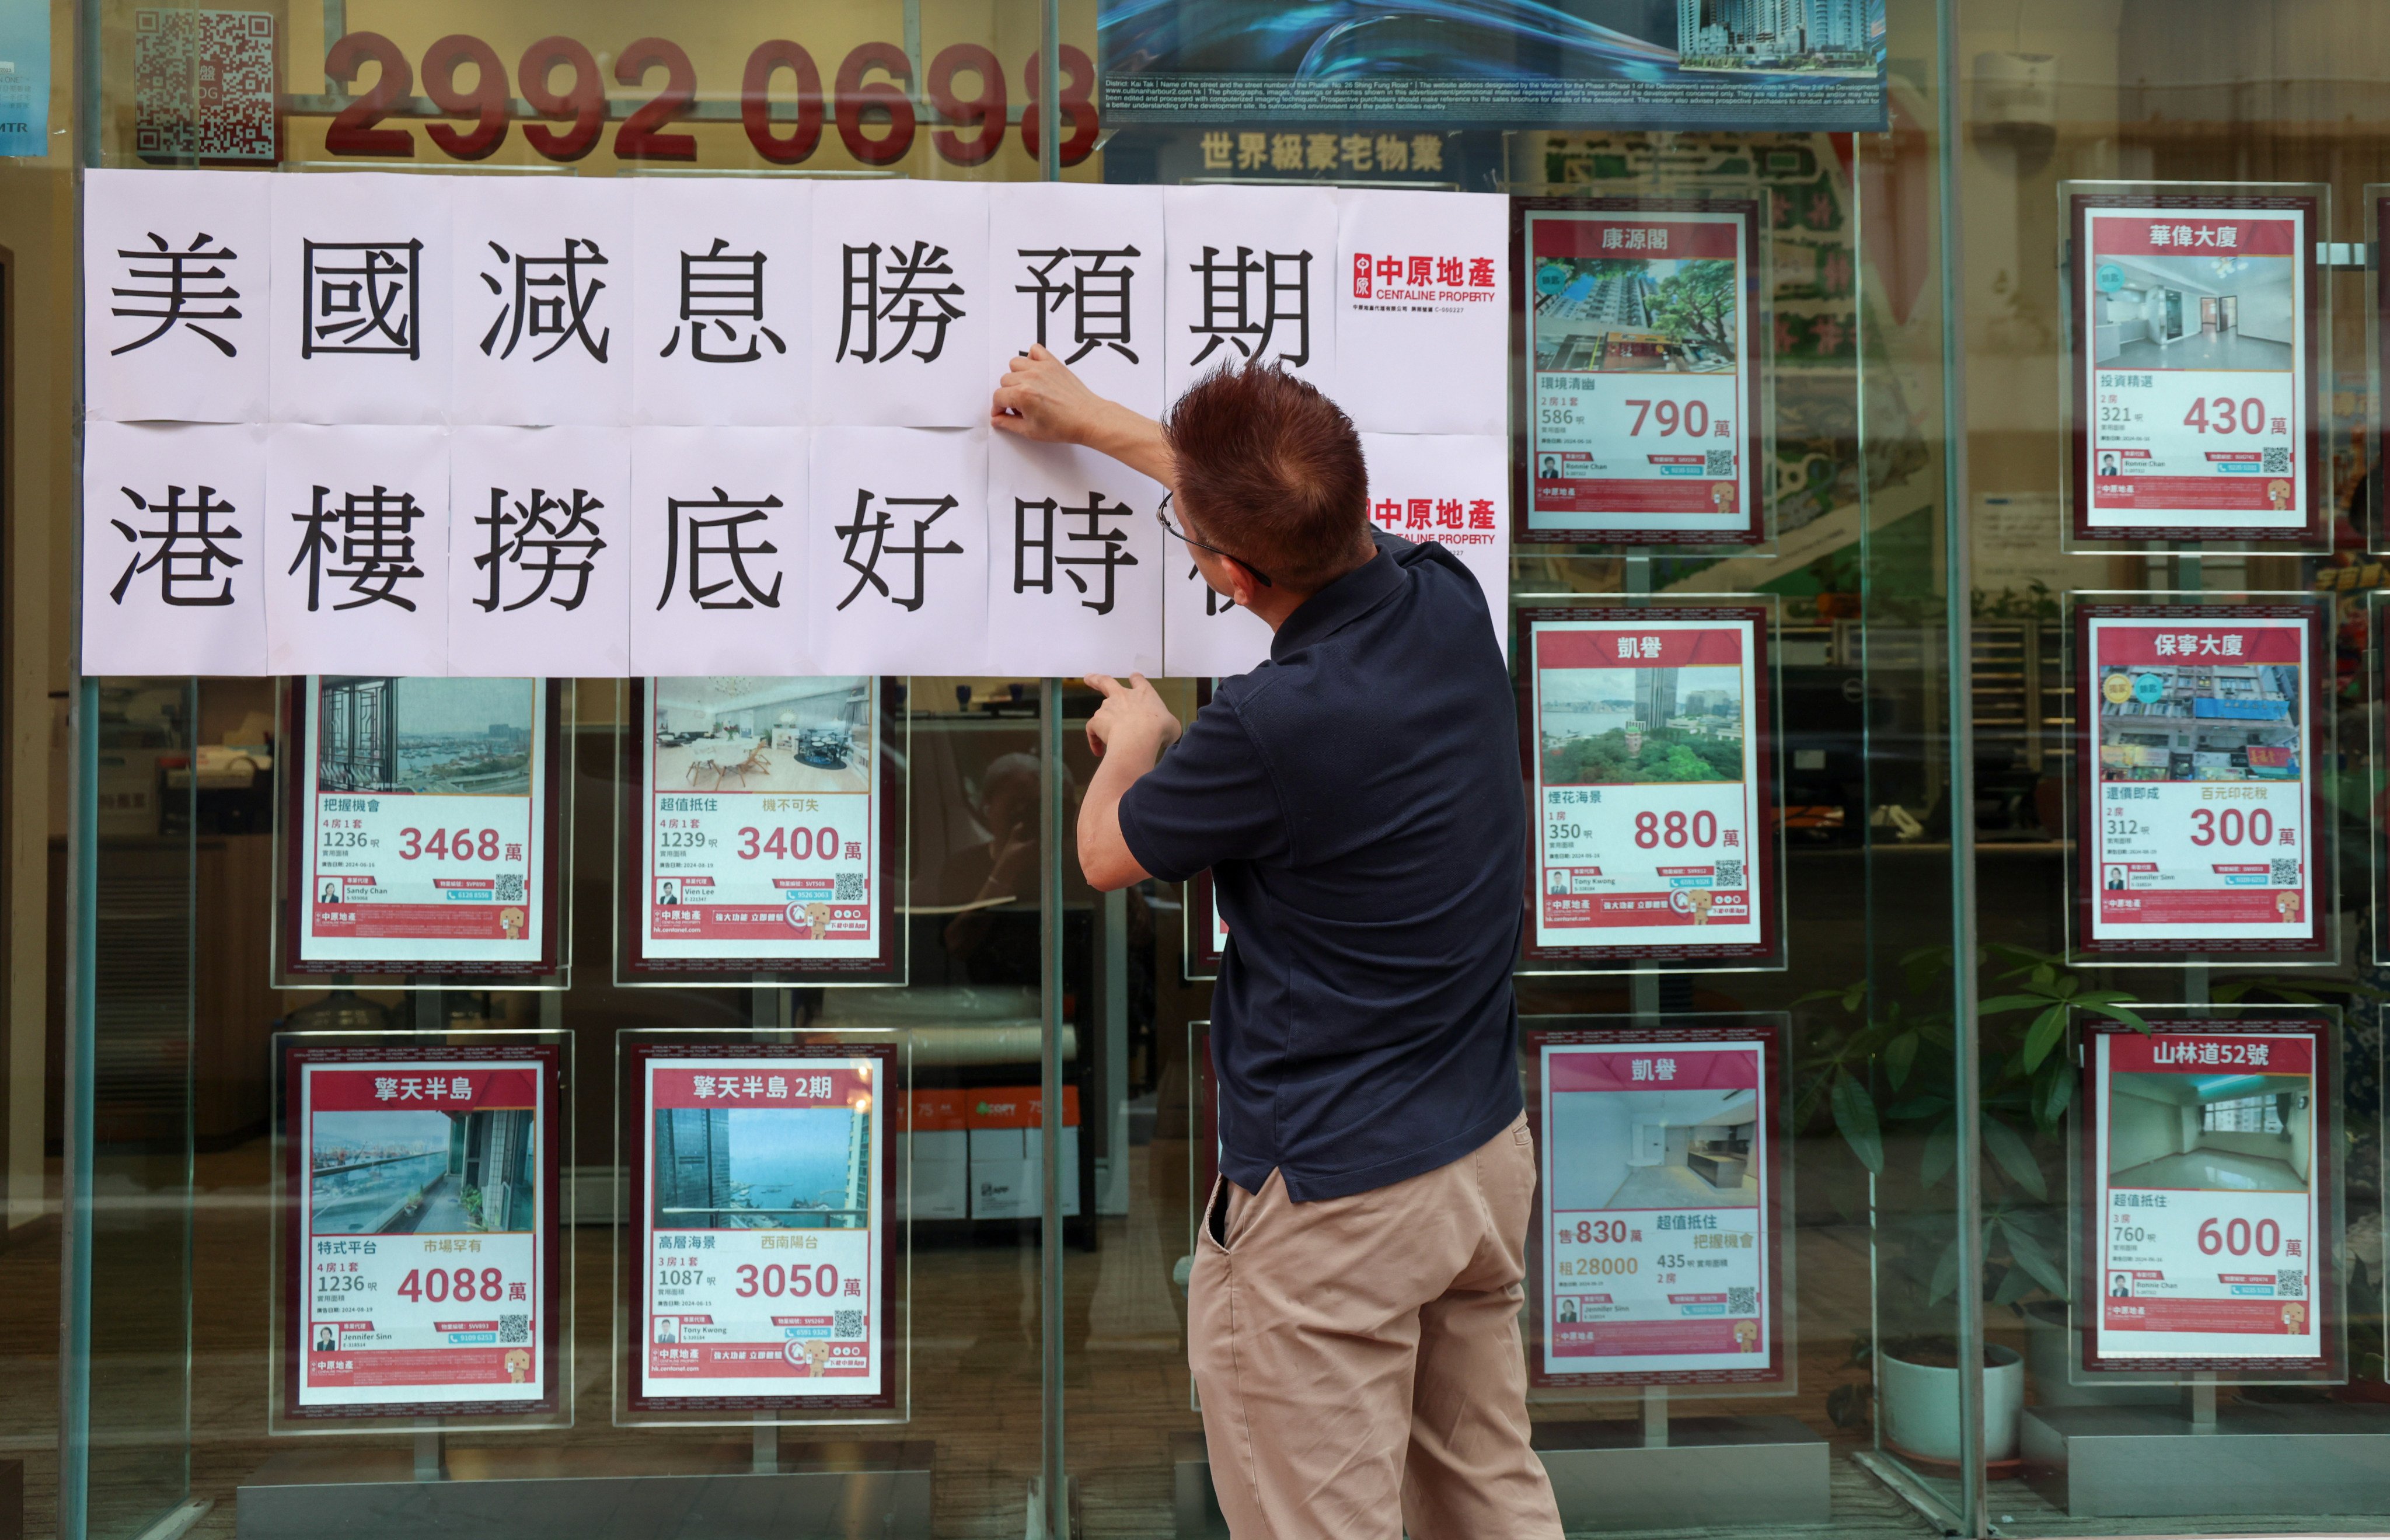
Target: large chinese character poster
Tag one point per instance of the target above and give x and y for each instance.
(1658, 1259)
(2198, 340)
(420, 1230)
(425, 828)
(1642, 421)
(765, 829)
(1651, 760)
(763, 1271)
(2208, 1236)
(2202, 812)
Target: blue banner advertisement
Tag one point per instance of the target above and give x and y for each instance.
(24, 77)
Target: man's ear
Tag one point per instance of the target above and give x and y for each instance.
(1242, 586)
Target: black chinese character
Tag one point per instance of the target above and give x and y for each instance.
(174, 302)
(878, 525)
(1110, 555)
(541, 547)
(701, 593)
(867, 295)
(721, 287)
(1214, 601)
(1098, 296)
(552, 295)
(375, 548)
(186, 557)
(1228, 309)
(360, 297)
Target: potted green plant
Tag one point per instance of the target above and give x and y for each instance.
(471, 1199)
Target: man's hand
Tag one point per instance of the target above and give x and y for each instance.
(1040, 398)
(1133, 716)
(1128, 733)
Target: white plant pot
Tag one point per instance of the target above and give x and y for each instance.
(1920, 1404)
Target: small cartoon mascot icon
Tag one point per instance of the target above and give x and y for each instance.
(510, 921)
(817, 922)
(517, 1365)
(2295, 1317)
(1746, 1336)
(2288, 905)
(1700, 900)
(1722, 496)
(2278, 494)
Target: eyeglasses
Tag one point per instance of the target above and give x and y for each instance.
(1164, 519)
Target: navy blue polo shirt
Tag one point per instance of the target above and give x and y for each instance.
(1357, 800)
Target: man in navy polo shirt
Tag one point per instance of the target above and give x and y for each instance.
(1354, 1308)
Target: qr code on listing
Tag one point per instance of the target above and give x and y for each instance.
(850, 887)
(1718, 462)
(2277, 460)
(1729, 873)
(514, 1328)
(2286, 873)
(203, 85)
(510, 887)
(846, 1325)
(1742, 1302)
(2291, 1284)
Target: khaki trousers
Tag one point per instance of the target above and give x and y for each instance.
(1358, 1358)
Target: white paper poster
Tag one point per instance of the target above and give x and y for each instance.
(1422, 317)
(1659, 1172)
(719, 541)
(176, 544)
(423, 1256)
(1641, 380)
(762, 821)
(902, 300)
(2202, 828)
(2206, 1236)
(1076, 563)
(424, 818)
(1078, 267)
(1651, 776)
(899, 550)
(719, 317)
(174, 295)
(2197, 370)
(361, 267)
(1455, 492)
(357, 562)
(539, 561)
(543, 278)
(762, 1261)
(1251, 275)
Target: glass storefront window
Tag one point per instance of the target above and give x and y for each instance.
(1923, 473)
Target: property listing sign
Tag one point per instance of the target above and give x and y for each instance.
(423, 836)
(1650, 757)
(765, 833)
(2197, 328)
(1659, 1247)
(2211, 1169)
(2201, 818)
(763, 1276)
(1644, 420)
(422, 1223)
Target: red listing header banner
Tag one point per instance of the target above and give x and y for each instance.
(2197, 642)
(2193, 233)
(761, 1083)
(413, 1087)
(1629, 647)
(2203, 1053)
(1630, 236)
(1656, 1067)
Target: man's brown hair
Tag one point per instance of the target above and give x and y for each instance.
(1270, 470)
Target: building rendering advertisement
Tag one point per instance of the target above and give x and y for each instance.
(1650, 760)
(1640, 420)
(763, 1278)
(420, 1227)
(2198, 336)
(764, 831)
(2208, 1242)
(1659, 1249)
(424, 826)
(2202, 824)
